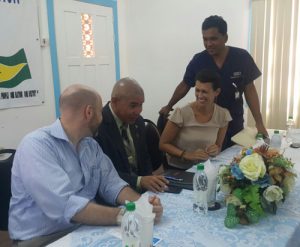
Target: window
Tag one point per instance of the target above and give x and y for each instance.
(275, 46)
(87, 36)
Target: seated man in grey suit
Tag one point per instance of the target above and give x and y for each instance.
(122, 137)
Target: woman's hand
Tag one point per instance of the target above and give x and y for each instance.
(213, 150)
(198, 154)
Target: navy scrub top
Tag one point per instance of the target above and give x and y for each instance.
(238, 70)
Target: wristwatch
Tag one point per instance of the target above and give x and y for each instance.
(120, 215)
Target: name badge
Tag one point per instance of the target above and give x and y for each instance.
(236, 93)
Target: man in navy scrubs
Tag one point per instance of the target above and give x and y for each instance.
(237, 70)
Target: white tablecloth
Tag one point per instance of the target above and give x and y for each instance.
(180, 226)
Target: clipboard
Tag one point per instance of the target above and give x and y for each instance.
(185, 179)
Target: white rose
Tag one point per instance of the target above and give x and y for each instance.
(273, 193)
(253, 166)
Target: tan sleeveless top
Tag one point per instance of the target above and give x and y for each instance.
(194, 135)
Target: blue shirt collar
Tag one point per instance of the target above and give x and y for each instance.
(57, 130)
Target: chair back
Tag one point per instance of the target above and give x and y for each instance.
(161, 123)
(5, 189)
(152, 138)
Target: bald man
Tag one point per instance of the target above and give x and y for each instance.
(59, 169)
(122, 137)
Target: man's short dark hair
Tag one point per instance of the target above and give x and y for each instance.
(217, 22)
(209, 76)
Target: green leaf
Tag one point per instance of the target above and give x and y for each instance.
(238, 193)
(281, 161)
(252, 198)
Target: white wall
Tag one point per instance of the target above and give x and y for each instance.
(159, 37)
(16, 122)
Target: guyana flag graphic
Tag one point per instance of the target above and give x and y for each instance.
(14, 70)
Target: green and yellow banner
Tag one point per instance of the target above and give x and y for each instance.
(14, 70)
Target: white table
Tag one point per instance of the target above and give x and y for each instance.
(180, 226)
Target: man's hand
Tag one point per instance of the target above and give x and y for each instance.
(157, 207)
(180, 91)
(154, 183)
(165, 110)
(199, 154)
(261, 129)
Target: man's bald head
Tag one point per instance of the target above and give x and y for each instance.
(126, 88)
(77, 96)
(127, 100)
(81, 112)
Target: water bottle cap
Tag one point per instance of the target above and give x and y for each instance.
(130, 206)
(276, 131)
(259, 136)
(200, 167)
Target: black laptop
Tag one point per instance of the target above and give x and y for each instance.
(180, 178)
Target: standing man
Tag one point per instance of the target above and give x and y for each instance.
(237, 70)
(57, 172)
(123, 139)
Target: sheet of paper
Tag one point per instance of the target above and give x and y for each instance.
(245, 137)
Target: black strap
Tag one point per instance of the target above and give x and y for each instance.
(5, 191)
(7, 151)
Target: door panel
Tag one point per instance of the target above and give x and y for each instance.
(98, 71)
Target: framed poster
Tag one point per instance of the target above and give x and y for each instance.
(21, 70)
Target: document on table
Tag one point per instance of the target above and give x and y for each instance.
(245, 137)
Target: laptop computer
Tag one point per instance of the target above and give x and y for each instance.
(180, 178)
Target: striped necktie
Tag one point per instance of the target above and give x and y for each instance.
(124, 133)
(129, 148)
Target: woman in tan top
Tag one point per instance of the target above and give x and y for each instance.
(196, 131)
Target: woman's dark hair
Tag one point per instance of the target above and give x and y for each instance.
(209, 76)
(217, 22)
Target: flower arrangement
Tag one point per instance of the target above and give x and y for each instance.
(255, 182)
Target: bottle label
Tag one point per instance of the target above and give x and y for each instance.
(130, 230)
(201, 182)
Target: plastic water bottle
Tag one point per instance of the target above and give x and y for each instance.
(259, 141)
(200, 190)
(276, 140)
(130, 227)
(290, 125)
